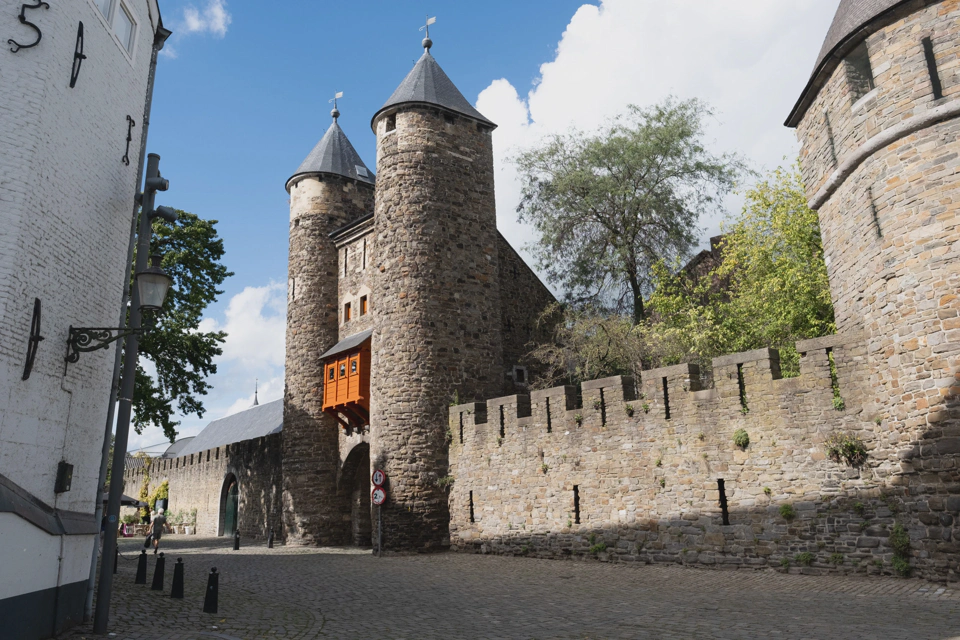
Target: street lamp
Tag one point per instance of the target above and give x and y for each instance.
(153, 285)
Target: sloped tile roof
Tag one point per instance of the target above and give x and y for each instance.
(334, 154)
(255, 422)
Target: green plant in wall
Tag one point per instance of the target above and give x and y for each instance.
(445, 483)
(785, 563)
(701, 437)
(162, 492)
(658, 463)
(767, 491)
(544, 467)
(838, 402)
(836, 559)
(859, 509)
(578, 418)
(878, 420)
(597, 404)
(804, 559)
(741, 438)
(844, 447)
(787, 512)
(900, 542)
(646, 407)
(663, 483)
(629, 409)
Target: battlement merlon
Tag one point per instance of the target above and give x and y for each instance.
(750, 380)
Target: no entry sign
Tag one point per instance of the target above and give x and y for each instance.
(379, 496)
(379, 477)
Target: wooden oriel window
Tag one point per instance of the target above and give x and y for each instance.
(346, 394)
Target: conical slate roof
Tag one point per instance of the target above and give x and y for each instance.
(428, 84)
(334, 154)
(853, 22)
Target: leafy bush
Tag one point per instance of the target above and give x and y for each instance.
(900, 540)
(598, 548)
(847, 448)
(741, 438)
(445, 482)
(805, 559)
(901, 566)
(836, 559)
(787, 512)
(859, 508)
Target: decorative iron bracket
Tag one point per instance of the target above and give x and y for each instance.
(85, 339)
(131, 123)
(78, 57)
(23, 20)
(35, 339)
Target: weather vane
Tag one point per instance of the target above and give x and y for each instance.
(427, 42)
(336, 112)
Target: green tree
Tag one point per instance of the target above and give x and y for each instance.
(182, 355)
(775, 284)
(607, 207)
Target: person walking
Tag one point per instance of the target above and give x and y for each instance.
(157, 529)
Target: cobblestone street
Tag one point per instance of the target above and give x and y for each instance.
(347, 593)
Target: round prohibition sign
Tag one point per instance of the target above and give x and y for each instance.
(379, 496)
(379, 477)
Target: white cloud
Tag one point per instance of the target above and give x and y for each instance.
(213, 18)
(748, 59)
(255, 322)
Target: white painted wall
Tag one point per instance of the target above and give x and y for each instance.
(66, 201)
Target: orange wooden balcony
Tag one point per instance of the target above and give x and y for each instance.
(346, 389)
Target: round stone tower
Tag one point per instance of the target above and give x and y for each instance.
(330, 189)
(879, 125)
(437, 303)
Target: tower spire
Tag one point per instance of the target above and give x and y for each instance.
(256, 384)
(336, 112)
(427, 42)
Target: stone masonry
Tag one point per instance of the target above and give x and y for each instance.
(319, 204)
(437, 323)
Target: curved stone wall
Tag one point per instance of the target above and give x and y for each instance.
(437, 321)
(313, 511)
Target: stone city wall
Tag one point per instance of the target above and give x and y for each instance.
(632, 474)
(200, 480)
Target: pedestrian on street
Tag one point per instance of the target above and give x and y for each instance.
(158, 524)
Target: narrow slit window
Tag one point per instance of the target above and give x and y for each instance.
(603, 409)
(576, 504)
(666, 400)
(364, 257)
(723, 501)
(363, 305)
(859, 72)
(503, 430)
(472, 516)
(549, 417)
(743, 389)
(346, 255)
(932, 69)
(461, 436)
(346, 312)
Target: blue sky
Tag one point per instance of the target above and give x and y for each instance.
(243, 87)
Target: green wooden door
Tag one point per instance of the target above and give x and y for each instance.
(232, 507)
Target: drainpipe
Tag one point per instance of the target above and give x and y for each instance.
(159, 39)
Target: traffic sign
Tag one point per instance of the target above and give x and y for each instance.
(379, 496)
(379, 477)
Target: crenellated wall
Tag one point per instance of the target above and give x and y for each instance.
(646, 464)
(200, 480)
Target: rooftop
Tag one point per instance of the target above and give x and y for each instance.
(256, 422)
(428, 84)
(335, 155)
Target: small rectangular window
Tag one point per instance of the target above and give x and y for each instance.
(932, 69)
(472, 516)
(576, 504)
(391, 122)
(363, 305)
(346, 312)
(105, 7)
(859, 72)
(333, 373)
(125, 26)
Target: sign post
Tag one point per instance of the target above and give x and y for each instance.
(378, 496)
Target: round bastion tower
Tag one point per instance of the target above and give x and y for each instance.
(330, 189)
(436, 294)
(879, 125)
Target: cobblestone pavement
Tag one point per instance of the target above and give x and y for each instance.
(348, 593)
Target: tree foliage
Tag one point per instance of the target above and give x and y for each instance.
(182, 355)
(770, 289)
(609, 206)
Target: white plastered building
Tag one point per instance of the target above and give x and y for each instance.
(68, 180)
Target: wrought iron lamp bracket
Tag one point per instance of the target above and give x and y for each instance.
(16, 46)
(85, 339)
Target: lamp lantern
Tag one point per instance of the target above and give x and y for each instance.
(153, 284)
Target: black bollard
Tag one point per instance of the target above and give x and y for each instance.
(236, 540)
(176, 591)
(158, 574)
(210, 598)
(116, 558)
(270, 540)
(142, 568)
